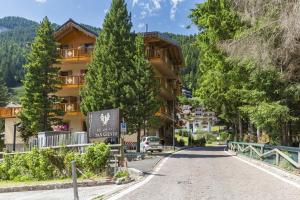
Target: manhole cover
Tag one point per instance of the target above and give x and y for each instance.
(184, 182)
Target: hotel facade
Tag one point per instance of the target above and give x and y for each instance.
(76, 46)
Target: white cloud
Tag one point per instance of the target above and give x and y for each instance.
(148, 7)
(141, 25)
(174, 4)
(134, 2)
(41, 1)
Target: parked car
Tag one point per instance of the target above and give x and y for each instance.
(151, 143)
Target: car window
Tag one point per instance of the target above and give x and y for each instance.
(153, 139)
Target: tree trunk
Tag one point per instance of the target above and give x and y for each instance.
(258, 133)
(138, 140)
(240, 128)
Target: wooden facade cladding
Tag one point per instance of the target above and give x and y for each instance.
(9, 112)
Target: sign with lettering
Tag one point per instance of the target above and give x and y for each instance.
(103, 124)
(123, 127)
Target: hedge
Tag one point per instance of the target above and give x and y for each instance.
(47, 164)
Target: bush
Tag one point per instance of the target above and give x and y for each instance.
(47, 164)
(224, 136)
(121, 174)
(96, 157)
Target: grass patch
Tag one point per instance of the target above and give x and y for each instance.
(17, 93)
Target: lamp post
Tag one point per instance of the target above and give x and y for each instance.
(15, 136)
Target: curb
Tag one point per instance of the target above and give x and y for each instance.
(54, 186)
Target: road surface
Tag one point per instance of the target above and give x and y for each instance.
(211, 174)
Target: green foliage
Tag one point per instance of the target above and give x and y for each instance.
(96, 157)
(190, 53)
(49, 164)
(121, 174)
(109, 82)
(3, 93)
(144, 103)
(38, 112)
(224, 136)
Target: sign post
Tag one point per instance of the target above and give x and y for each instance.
(104, 124)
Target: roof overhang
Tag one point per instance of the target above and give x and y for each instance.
(69, 26)
(164, 41)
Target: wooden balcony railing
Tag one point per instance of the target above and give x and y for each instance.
(68, 107)
(9, 112)
(72, 80)
(76, 53)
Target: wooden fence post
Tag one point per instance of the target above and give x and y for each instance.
(251, 152)
(74, 177)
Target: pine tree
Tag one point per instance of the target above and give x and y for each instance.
(109, 81)
(40, 82)
(3, 92)
(146, 102)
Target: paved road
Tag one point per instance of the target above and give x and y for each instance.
(210, 174)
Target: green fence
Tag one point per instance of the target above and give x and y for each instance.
(284, 157)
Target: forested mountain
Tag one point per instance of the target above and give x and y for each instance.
(191, 57)
(17, 32)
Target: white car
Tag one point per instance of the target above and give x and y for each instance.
(151, 143)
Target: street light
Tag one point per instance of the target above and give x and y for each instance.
(15, 135)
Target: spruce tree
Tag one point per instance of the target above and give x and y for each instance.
(3, 92)
(4, 97)
(145, 102)
(40, 82)
(109, 82)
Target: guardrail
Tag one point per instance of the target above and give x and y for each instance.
(281, 156)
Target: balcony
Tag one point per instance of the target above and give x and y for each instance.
(68, 108)
(164, 113)
(167, 91)
(9, 112)
(76, 54)
(162, 63)
(72, 81)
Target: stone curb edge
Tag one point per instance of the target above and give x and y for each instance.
(54, 186)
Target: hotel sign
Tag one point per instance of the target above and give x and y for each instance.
(103, 124)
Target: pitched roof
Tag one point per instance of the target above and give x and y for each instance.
(71, 23)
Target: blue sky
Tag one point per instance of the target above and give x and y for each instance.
(160, 15)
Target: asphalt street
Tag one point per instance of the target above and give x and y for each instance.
(211, 174)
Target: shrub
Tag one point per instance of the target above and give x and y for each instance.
(121, 174)
(47, 164)
(224, 136)
(96, 157)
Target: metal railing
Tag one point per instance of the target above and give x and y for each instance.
(281, 156)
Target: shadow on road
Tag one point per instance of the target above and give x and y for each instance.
(209, 148)
(154, 174)
(185, 155)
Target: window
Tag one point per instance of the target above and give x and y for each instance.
(66, 73)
